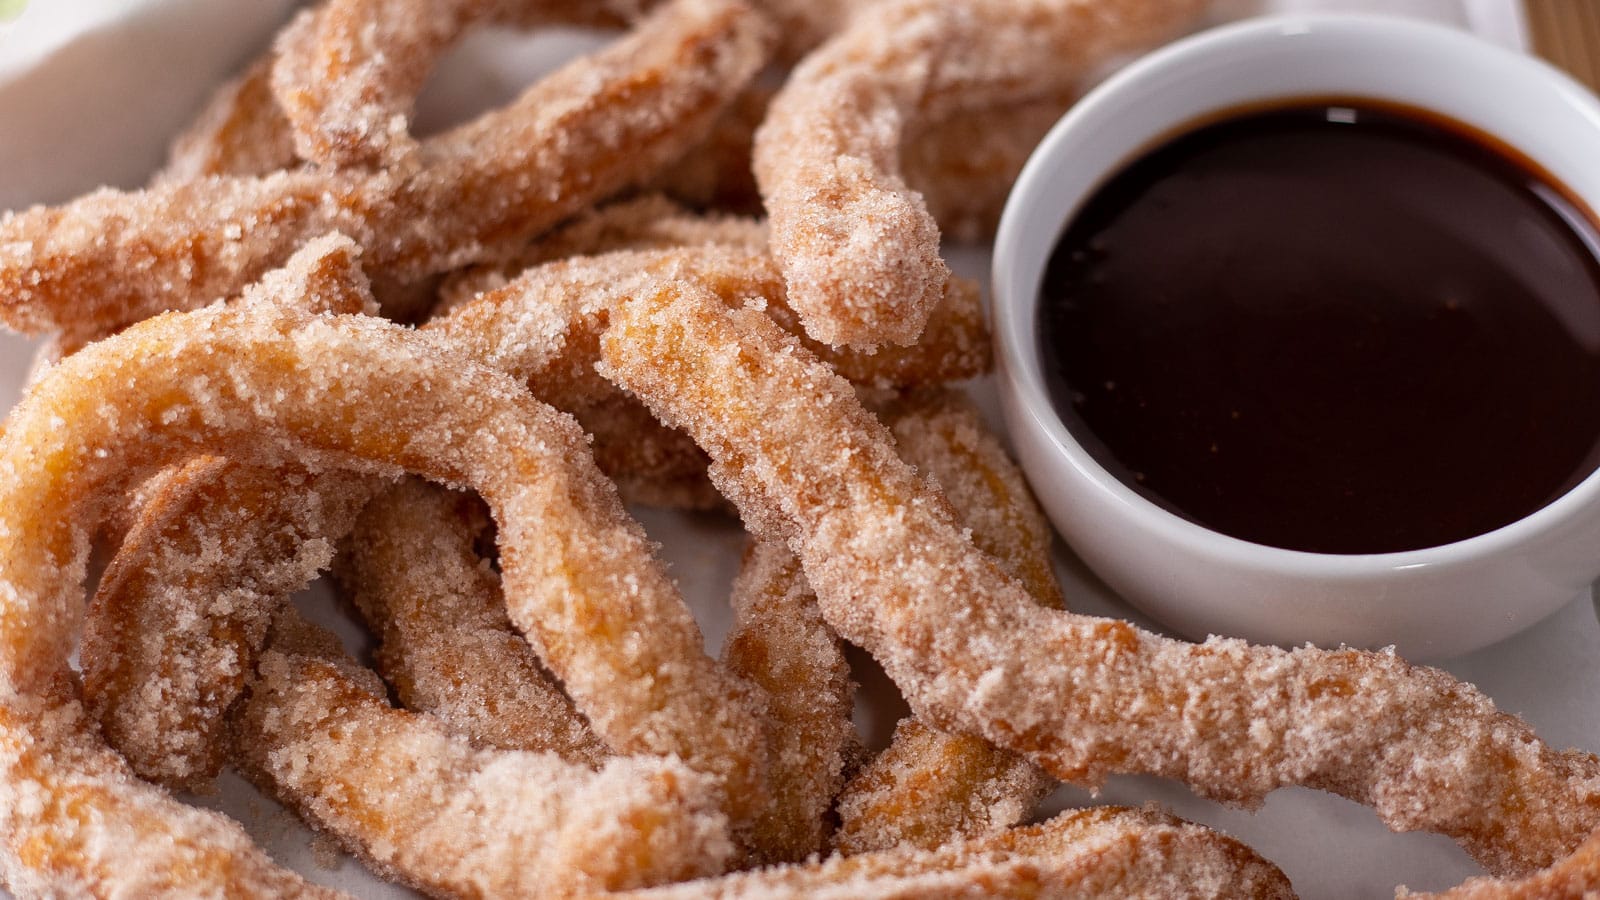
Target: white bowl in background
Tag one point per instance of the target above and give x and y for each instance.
(1429, 603)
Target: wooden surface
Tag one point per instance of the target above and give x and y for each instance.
(1567, 32)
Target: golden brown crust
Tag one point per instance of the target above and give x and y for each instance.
(929, 787)
(412, 568)
(424, 808)
(592, 128)
(183, 608)
(1082, 697)
(201, 381)
(858, 246)
(544, 324)
(779, 642)
(346, 73)
(1087, 853)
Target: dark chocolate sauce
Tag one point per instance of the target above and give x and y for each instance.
(1343, 327)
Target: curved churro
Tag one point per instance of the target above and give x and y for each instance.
(208, 552)
(240, 131)
(596, 126)
(1087, 853)
(412, 568)
(347, 72)
(1083, 697)
(965, 164)
(269, 384)
(425, 809)
(544, 324)
(184, 606)
(779, 641)
(859, 250)
(929, 787)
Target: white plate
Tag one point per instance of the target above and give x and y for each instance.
(82, 107)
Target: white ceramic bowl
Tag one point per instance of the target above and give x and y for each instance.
(1429, 603)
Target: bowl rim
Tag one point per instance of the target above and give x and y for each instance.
(1014, 306)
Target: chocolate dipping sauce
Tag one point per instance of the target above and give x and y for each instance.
(1342, 327)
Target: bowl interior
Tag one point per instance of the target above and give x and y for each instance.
(1523, 102)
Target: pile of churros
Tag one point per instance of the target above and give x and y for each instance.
(437, 367)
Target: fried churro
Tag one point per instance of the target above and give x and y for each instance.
(424, 808)
(1088, 853)
(859, 249)
(347, 72)
(929, 787)
(266, 385)
(779, 641)
(184, 606)
(207, 554)
(592, 128)
(412, 568)
(1082, 697)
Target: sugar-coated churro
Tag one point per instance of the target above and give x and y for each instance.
(184, 606)
(1087, 853)
(267, 384)
(779, 641)
(1082, 697)
(543, 325)
(346, 73)
(594, 127)
(930, 787)
(206, 553)
(421, 806)
(859, 250)
(445, 643)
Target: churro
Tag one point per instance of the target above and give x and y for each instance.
(347, 72)
(267, 384)
(184, 606)
(1082, 697)
(859, 249)
(929, 787)
(594, 127)
(207, 552)
(1088, 853)
(424, 808)
(544, 324)
(779, 641)
(445, 644)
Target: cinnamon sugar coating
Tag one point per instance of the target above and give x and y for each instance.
(1082, 697)
(346, 73)
(446, 644)
(1086, 853)
(779, 641)
(929, 787)
(184, 606)
(544, 324)
(207, 551)
(859, 249)
(422, 807)
(596, 126)
(269, 385)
